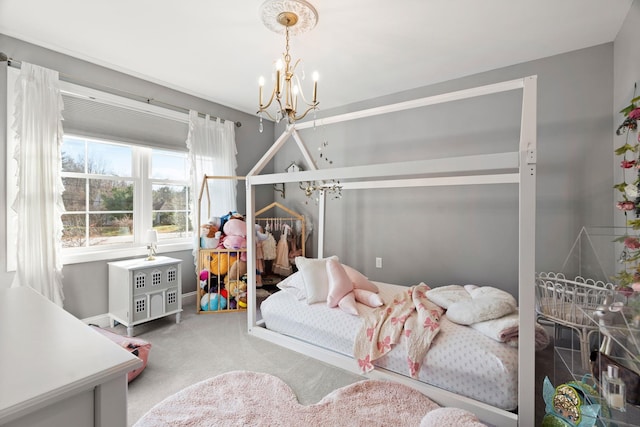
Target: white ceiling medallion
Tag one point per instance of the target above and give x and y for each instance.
(271, 12)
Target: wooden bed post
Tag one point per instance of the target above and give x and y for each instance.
(251, 254)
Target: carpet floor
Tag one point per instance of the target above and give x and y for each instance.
(223, 401)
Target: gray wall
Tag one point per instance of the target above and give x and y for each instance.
(438, 236)
(85, 285)
(469, 235)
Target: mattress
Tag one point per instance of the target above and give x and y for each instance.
(461, 359)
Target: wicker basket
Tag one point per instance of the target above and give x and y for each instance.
(570, 302)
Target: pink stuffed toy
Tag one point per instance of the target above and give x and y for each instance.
(235, 236)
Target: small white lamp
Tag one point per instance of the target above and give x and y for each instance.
(152, 241)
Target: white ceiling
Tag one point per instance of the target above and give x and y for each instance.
(217, 49)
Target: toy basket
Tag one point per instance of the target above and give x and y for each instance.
(570, 303)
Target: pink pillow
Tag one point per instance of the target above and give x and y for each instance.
(339, 282)
(368, 298)
(359, 280)
(348, 304)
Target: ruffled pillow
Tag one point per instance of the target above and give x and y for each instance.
(486, 303)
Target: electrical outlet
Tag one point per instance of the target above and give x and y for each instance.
(378, 262)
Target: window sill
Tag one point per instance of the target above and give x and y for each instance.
(112, 254)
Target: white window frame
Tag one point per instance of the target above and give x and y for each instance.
(141, 163)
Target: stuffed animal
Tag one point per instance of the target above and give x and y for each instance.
(209, 231)
(236, 288)
(237, 270)
(224, 218)
(235, 236)
(210, 234)
(219, 263)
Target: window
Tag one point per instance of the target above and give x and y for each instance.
(171, 193)
(98, 195)
(114, 192)
(123, 171)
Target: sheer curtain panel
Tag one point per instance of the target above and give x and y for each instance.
(212, 151)
(38, 204)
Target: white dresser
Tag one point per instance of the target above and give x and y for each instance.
(141, 290)
(55, 371)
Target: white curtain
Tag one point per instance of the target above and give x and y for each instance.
(38, 204)
(212, 151)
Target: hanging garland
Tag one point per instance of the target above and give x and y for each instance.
(629, 278)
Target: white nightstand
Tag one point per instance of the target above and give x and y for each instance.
(141, 290)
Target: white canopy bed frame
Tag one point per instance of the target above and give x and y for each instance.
(517, 167)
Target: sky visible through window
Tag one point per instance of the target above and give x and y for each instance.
(110, 159)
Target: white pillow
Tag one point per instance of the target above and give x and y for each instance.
(316, 281)
(479, 309)
(293, 284)
(444, 296)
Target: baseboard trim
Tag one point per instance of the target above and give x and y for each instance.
(103, 321)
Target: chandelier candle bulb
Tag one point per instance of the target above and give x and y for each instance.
(315, 86)
(261, 85)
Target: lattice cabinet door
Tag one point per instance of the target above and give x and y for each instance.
(141, 290)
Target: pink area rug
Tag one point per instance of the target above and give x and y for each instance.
(243, 398)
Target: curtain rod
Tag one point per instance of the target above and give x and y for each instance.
(72, 79)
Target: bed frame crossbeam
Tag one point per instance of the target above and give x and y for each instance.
(499, 162)
(416, 103)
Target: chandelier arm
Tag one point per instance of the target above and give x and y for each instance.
(301, 92)
(293, 69)
(263, 107)
(268, 114)
(302, 116)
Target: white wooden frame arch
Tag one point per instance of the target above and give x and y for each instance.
(518, 167)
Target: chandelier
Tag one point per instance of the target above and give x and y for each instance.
(290, 17)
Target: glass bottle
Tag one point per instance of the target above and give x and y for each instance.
(613, 388)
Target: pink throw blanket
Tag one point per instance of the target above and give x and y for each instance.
(410, 314)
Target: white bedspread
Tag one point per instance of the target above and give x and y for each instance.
(461, 359)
